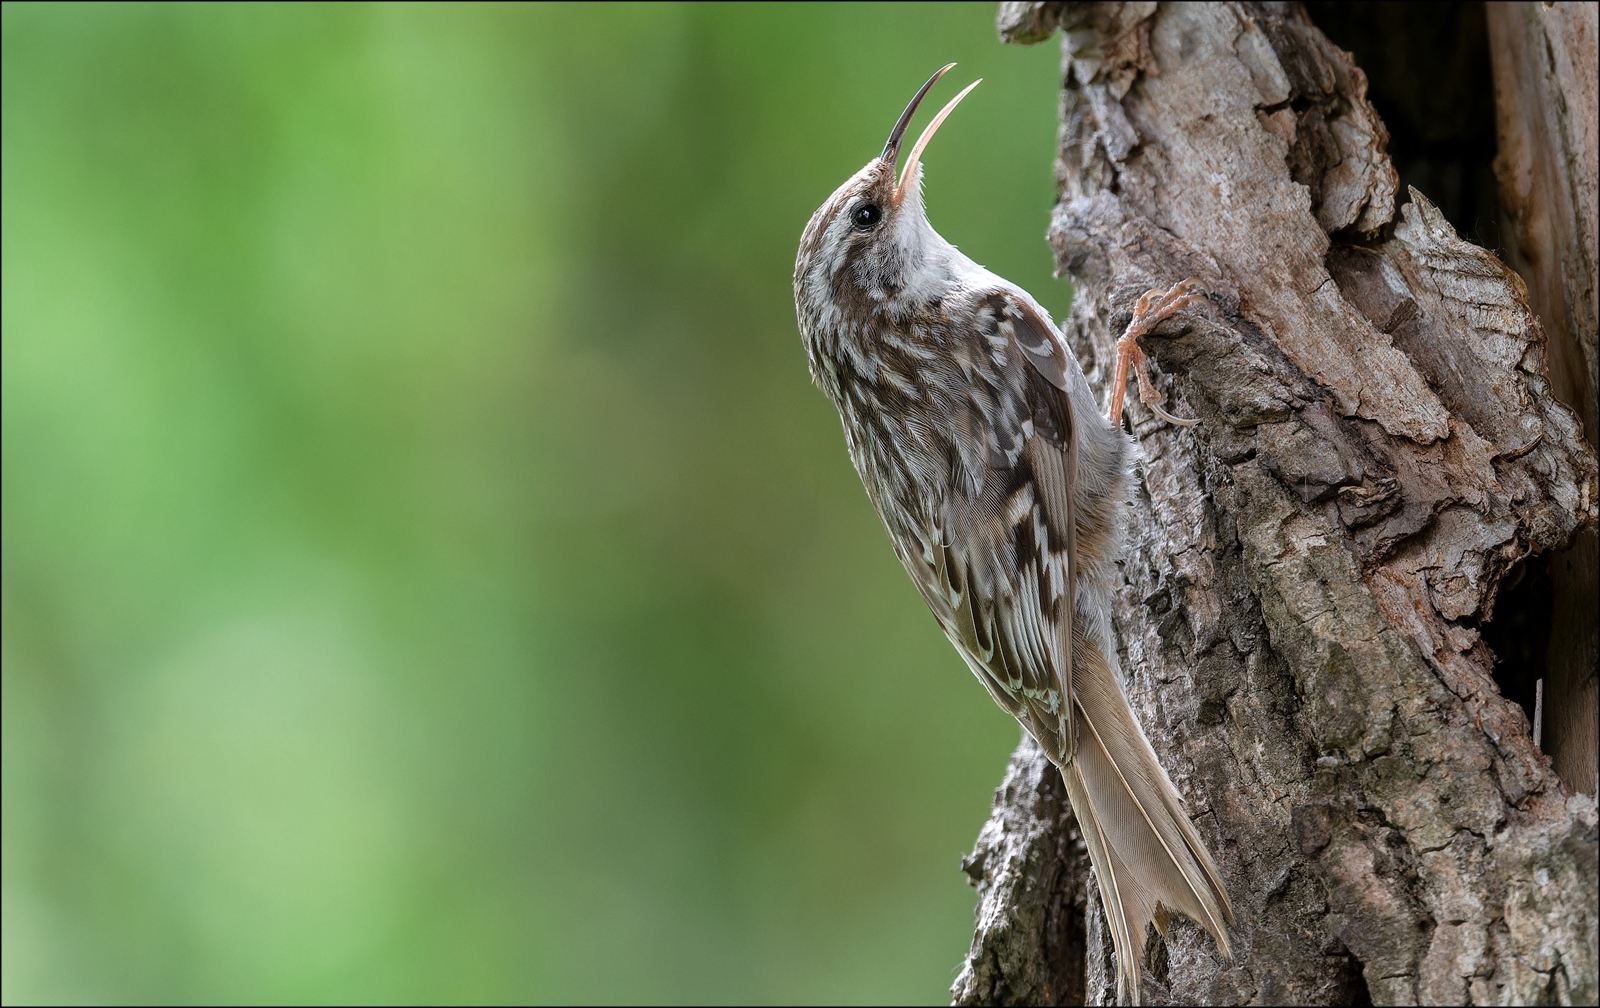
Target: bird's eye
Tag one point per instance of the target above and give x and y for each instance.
(866, 215)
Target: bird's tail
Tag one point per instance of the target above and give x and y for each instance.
(1145, 852)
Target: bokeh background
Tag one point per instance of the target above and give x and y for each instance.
(428, 571)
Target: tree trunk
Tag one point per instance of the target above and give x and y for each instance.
(1311, 571)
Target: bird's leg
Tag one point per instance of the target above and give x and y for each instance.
(1153, 308)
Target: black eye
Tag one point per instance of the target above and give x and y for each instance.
(866, 215)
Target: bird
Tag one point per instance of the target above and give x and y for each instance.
(1000, 483)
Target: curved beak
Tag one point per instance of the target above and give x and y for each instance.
(891, 150)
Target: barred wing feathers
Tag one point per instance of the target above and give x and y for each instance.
(1004, 566)
(1002, 570)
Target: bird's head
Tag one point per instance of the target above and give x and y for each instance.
(866, 247)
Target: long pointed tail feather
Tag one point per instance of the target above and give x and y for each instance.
(1145, 851)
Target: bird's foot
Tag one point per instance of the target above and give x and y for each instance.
(1153, 308)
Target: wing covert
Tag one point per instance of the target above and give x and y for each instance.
(1002, 573)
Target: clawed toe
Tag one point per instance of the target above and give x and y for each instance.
(1152, 308)
(1146, 315)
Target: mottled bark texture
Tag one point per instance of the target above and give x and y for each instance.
(1030, 866)
(1309, 570)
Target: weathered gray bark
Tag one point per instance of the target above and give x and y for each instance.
(1307, 570)
(1029, 865)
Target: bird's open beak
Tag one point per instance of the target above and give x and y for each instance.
(891, 150)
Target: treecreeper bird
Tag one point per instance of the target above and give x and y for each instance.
(999, 481)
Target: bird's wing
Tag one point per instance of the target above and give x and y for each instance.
(999, 568)
(1003, 541)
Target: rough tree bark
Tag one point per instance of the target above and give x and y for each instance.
(1308, 570)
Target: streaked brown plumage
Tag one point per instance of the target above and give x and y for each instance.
(979, 441)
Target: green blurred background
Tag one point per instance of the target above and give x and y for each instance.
(429, 573)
